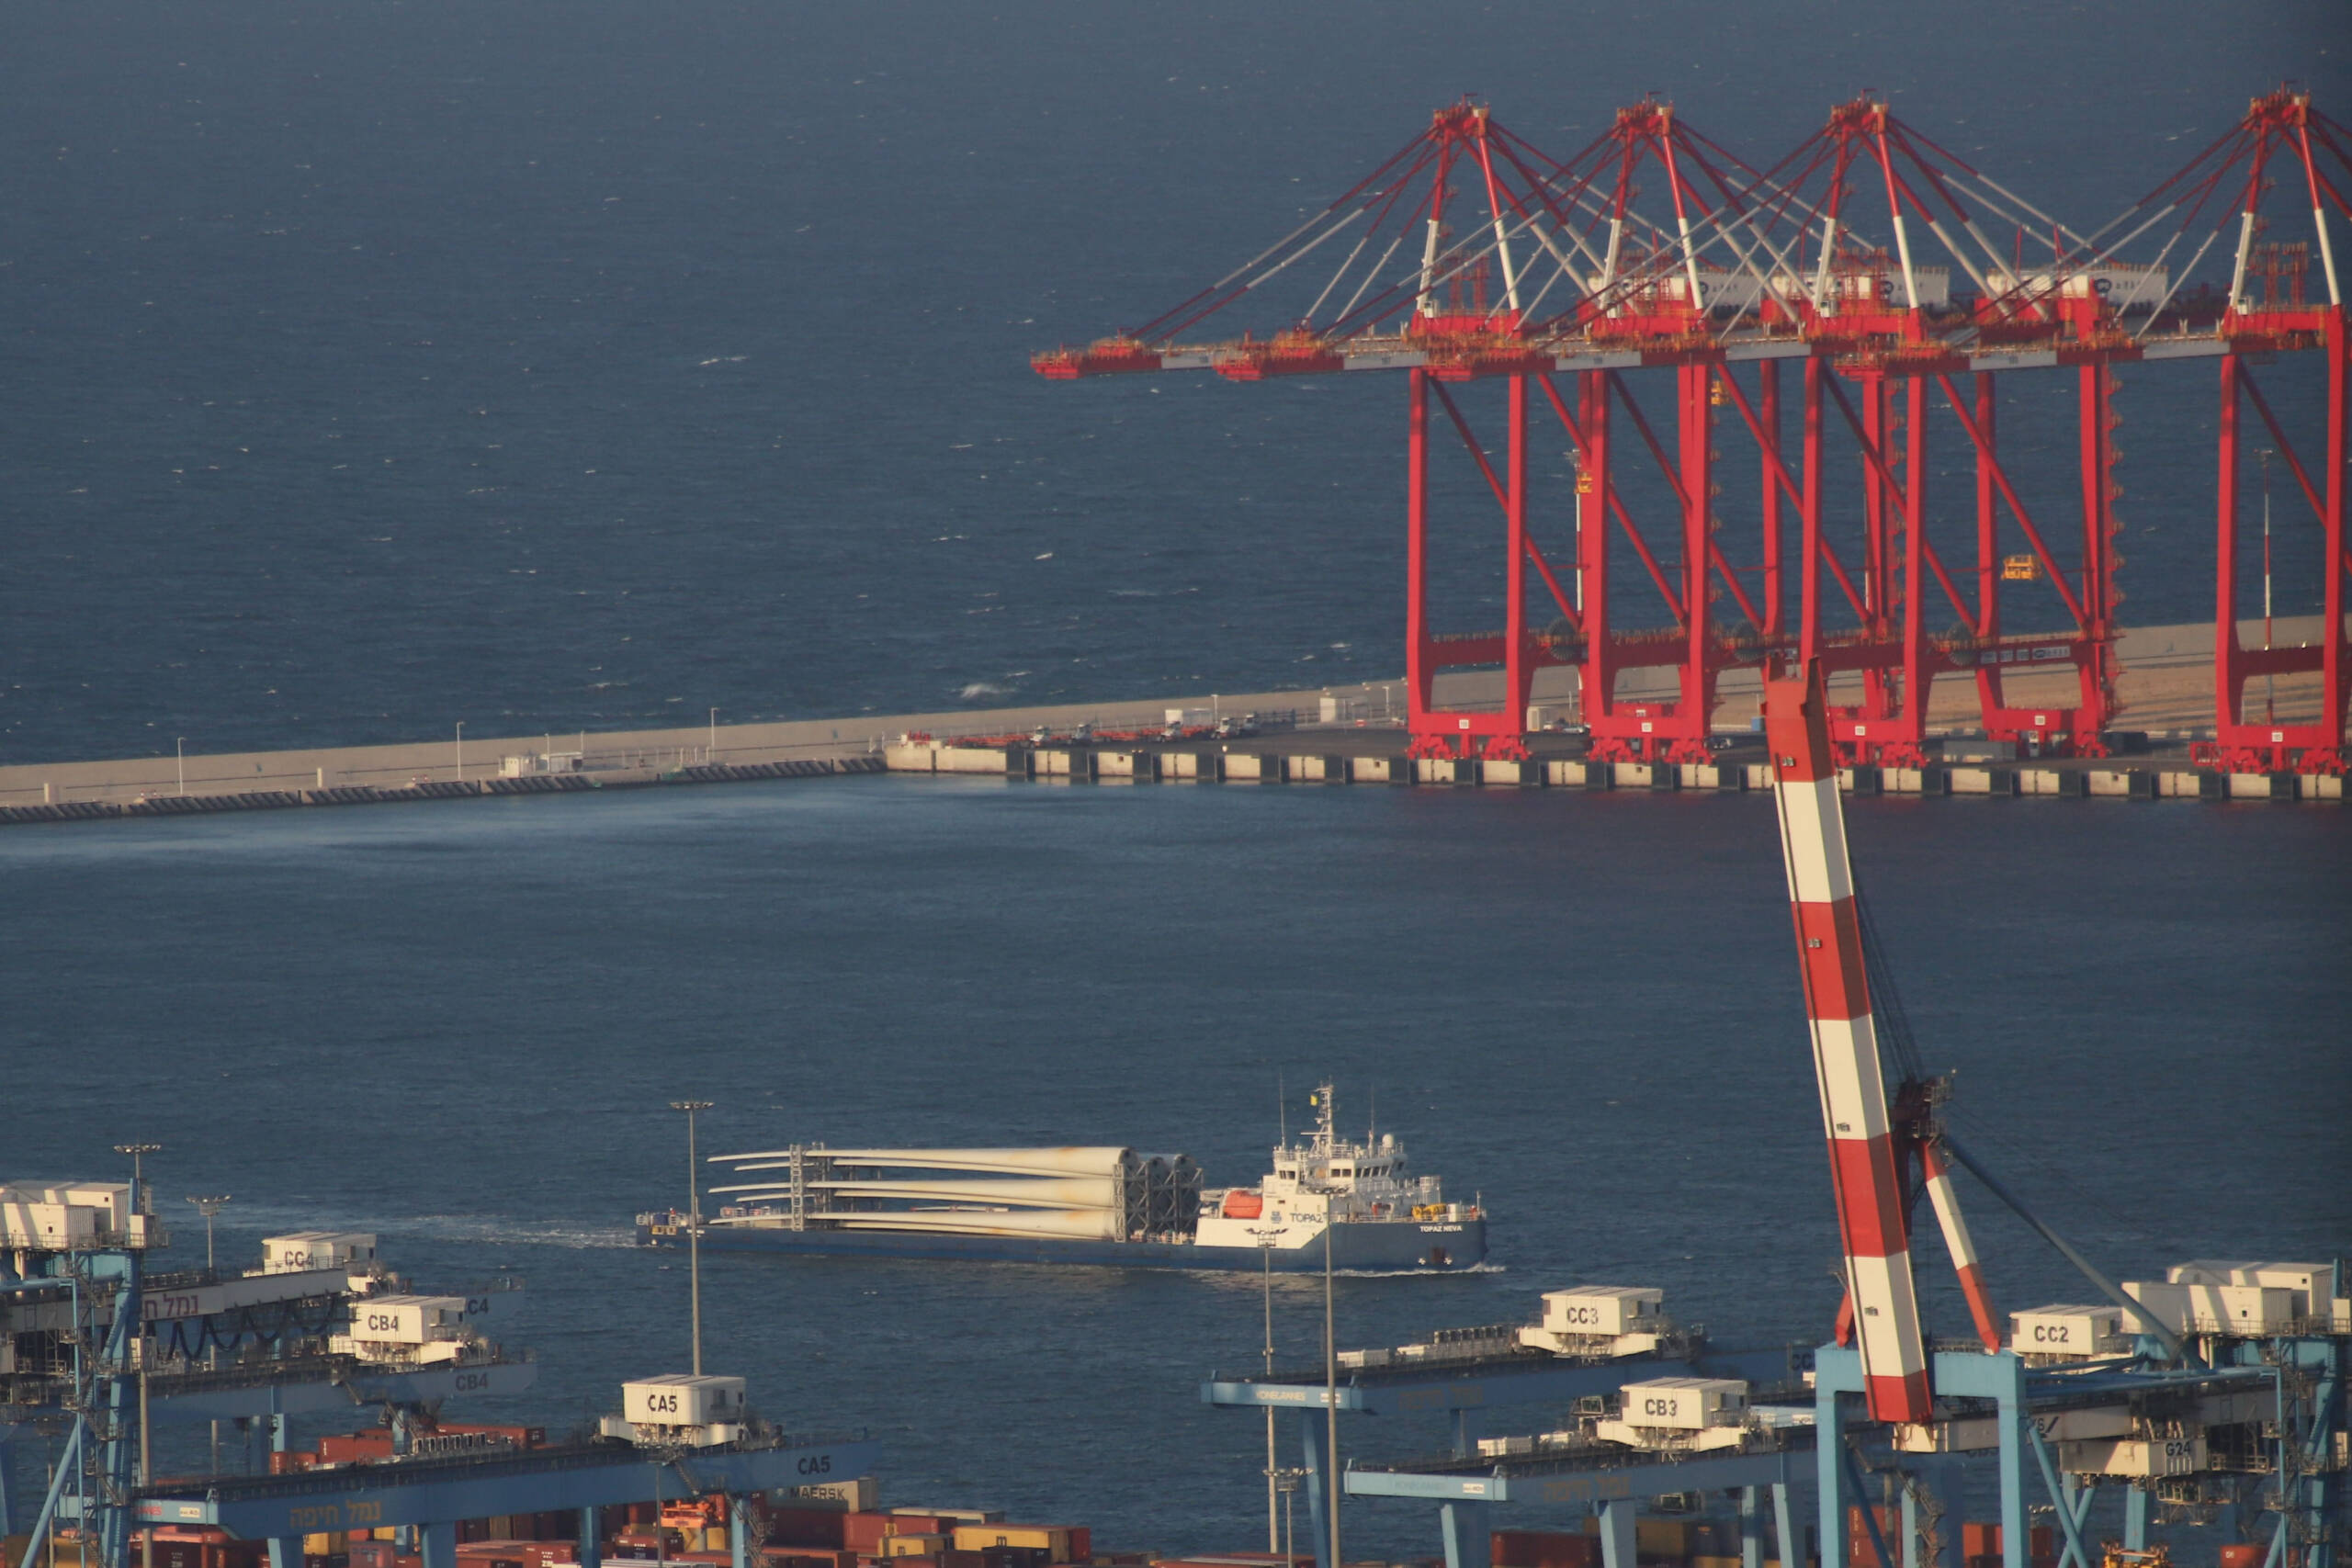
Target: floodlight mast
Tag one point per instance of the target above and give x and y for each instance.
(694, 1219)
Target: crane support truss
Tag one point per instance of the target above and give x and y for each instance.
(1865, 256)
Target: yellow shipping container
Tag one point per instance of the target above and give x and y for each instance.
(323, 1544)
(1662, 1537)
(980, 1538)
(68, 1552)
(715, 1539)
(913, 1545)
(1714, 1563)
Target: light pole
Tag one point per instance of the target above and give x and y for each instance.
(694, 1218)
(137, 1152)
(710, 753)
(208, 1207)
(179, 759)
(1331, 1395)
(1266, 1258)
(139, 1205)
(461, 750)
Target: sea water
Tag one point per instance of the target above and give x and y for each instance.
(460, 1027)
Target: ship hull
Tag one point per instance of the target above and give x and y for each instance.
(1439, 1247)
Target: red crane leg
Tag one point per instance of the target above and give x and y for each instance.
(1877, 564)
(2229, 679)
(2097, 420)
(2337, 653)
(1419, 670)
(1518, 673)
(1863, 1171)
(1599, 671)
(1692, 712)
(1988, 539)
(1809, 600)
(1900, 746)
(1767, 412)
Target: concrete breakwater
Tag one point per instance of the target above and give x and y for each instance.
(464, 767)
(2165, 689)
(176, 805)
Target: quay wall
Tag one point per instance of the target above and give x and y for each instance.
(2166, 690)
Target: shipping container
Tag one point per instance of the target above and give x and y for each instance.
(1543, 1548)
(927, 1544)
(1663, 1537)
(862, 1532)
(805, 1527)
(1985, 1541)
(355, 1448)
(1714, 1537)
(859, 1494)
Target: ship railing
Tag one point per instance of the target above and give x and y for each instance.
(1561, 1460)
(595, 1455)
(816, 1440)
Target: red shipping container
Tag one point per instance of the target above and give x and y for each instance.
(805, 1527)
(1545, 1548)
(864, 1533)
(1985, 1541)
(1859, 1549)
(918, 1524)
(352, 1447)
(1081, 1543)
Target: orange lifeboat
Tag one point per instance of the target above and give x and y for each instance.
(1243, 1203)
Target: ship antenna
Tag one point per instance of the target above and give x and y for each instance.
(1372, 1127)
(1281, 1109)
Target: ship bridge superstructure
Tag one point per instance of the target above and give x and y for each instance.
(1330, 1175)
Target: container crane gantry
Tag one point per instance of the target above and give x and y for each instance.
(1470, 254)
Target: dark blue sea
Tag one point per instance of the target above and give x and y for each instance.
(457, 1027)
(372, 366)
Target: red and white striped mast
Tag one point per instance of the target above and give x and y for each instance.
(1865, 1162)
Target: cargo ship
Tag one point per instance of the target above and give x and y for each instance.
(1092, 1205)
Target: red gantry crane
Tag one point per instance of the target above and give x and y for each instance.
(2251, 183)
(1876, 261)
